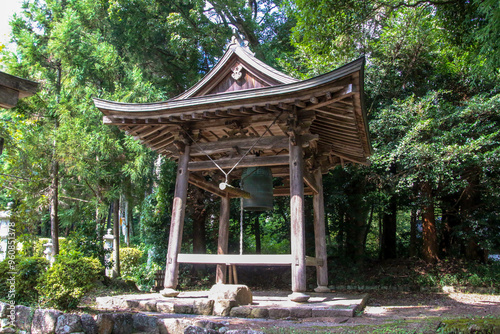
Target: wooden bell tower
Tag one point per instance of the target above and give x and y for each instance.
(244, 113)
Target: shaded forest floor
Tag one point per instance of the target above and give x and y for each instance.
(400, 274)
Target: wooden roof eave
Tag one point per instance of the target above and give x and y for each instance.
(13, 88)
(230, 99)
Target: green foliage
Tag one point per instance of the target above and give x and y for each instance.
(457, 326)
(29, 273)
(130, 261)
(144, 276)
(69, 278)
(155, 213)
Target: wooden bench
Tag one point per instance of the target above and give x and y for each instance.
(235, 260)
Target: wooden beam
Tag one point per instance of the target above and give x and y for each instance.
(8, 97)
(248, 161)
(332, 113)
(310, 181)
(285, 191)
(244, 260)
(22, 86)
(234, 191)
(209, 186)
(352, 159)
(327, 102)
(264, 143)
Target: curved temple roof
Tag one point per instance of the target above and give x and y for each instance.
(241, 99)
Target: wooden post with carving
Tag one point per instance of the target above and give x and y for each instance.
(176, 225)
(223, 237)
(297, 228)
(319, 234)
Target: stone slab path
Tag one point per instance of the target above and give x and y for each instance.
(266, 305)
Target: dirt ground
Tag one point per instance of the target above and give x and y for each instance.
(391, 312)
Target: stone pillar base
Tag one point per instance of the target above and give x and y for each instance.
(298, 297)
(169, 292)
(322, 289)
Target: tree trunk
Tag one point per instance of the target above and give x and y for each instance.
(341, 235)
(355, 237)
(256, 229)
(54, 206)
(116, 241)
(413, 232)
(449, 245)
(389, 227)
(429, 234)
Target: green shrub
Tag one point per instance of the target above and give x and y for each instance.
(29, 273)
(5, 269)
(145, 276)
(449, 279)
(130, 261)
(70, 277)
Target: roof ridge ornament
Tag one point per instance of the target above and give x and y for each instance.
(237, 41)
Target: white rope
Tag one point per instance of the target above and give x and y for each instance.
(244, 155)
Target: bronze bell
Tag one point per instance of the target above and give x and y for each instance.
(258, 181)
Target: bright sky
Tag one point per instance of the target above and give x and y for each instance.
(7, 9)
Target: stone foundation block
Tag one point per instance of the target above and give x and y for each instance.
(123, 323)
(44, 321)
(172, 326)
(147, 306)
(279, 313)
(203, 307)
(23, 318)
(89, 324)
(300, 312)
(259, 313)
(105, 323)
(145, 323)
(222, 307)
(183, 307)
(240, 293)
(240, 312)
(165, 307)
(69, 323)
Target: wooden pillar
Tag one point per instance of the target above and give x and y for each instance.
(319, 234)
(116, 240)
(297, 229)
(223, 237)
(176, 225)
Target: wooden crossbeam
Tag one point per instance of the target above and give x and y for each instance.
(335, 98)
(209, 186)
(264, 143)
(309, 180)
(245, 260)
(248, 161)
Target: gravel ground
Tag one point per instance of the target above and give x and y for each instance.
(389, 312)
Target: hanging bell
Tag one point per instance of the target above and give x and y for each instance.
(258, 181)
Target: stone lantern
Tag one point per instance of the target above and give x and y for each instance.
(48, 251)
(108, 247)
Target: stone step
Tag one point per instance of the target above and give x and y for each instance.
(273, 306)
